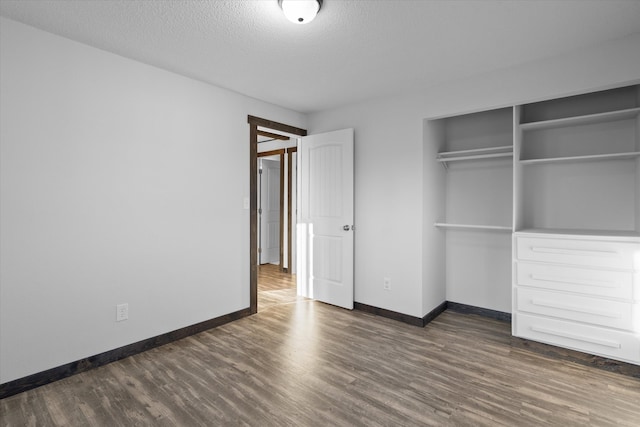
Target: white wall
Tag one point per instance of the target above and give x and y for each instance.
(603, 66)
(120, 183)
(388, 199)
(398, 188)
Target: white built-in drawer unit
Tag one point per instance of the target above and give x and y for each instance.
(596, 311)
(580, 292)
(581, 280)
(577, 336)
(589, 253)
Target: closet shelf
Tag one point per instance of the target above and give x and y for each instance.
(472, 226)
(611, 156)
(582, 120)
(475, 154)
(585, 234)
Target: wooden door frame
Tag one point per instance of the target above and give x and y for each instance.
(290, 152)
(280, 153)
(254, 123)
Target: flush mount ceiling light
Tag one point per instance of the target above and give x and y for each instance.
(300, 11)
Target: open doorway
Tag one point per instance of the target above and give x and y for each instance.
(277, 217)
(271, 212)
(277, 276)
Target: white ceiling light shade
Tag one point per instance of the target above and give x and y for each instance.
(300, 11)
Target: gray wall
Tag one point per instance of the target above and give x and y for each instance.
(121, 183)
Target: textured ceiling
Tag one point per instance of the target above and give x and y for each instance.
(353, 51)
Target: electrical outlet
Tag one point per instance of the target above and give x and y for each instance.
(122, 312)
(387, 284)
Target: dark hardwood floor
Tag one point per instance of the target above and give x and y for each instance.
(304, 363)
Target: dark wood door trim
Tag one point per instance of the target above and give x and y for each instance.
(272, 135)
(253, 219)
(254, 122)
(281, 127)
(280, 153)
(271, 153)
(281, 261)
(290, 152)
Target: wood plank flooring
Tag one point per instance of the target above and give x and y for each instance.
(312, 364)
(270, 278)
(275, 287)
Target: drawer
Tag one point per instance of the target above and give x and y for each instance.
(604, 283)
(618, 345)
(589, 253)
(612, 314)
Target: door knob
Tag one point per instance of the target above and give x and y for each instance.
(346, 228)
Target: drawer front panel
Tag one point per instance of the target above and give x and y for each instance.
(590, 339)
(613, 314)
(606, 283)
(589, 253)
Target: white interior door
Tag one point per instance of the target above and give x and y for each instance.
(325, 217)
(269, 212)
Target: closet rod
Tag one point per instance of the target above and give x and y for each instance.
(476, 150)
(479, 156)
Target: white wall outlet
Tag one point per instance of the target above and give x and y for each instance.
(122, 312)
(387, 284)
